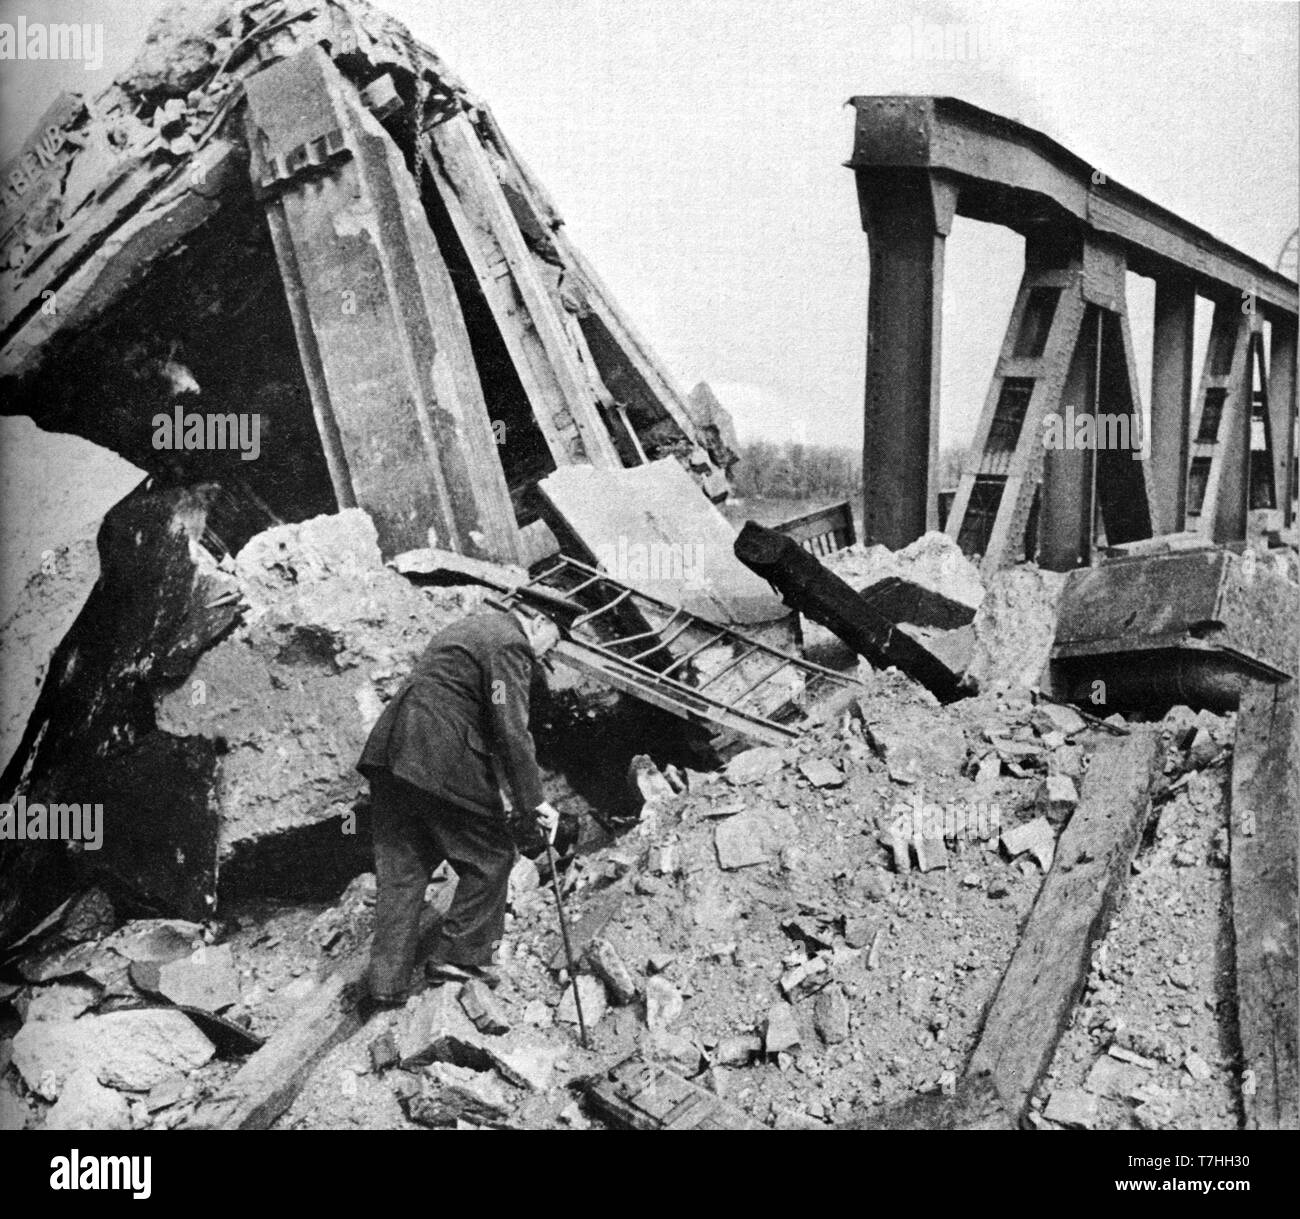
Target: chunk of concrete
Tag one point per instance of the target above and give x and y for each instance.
(1035, 837)
(753, 838)
(780, 1029)
(1072, 1107)
(1016, 628)
(831, 1015)
(64, 1000)
(206, 979)
(594, 1001)
(821, 772)
(156, 941)
(85, 1104)
(434, 1028)
(480, 1005)
(929, 583)
(449, 1094)
(133, 1050)
(1058, 797)
(663, 1003)
(917, 745)
(528, 1065)
(754, 765)
(610, 967)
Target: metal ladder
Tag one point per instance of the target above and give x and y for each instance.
(677, 661)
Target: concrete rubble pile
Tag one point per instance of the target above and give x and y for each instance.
(813, 912)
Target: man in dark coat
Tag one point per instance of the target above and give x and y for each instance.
(431, 760)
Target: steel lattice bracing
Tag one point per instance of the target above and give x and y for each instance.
(1202, 462)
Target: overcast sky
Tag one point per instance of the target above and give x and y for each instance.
(696, 149)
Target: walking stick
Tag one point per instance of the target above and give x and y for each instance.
(568, 947)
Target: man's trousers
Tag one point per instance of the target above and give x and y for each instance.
(414, 831)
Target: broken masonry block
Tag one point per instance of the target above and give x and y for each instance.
(831, 1015)
(753, 838)
(1035, 837)
(780, 1029)
(610, 967)
(449, 1094)
(481, 1006)
(663, 1003)
(1071, 1107)
(594, 1001)
(1058, 797)
(931, 853)
(821, 772)
(85, 1104)
(737, 1051)
(435, 1028)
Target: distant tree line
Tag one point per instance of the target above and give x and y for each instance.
(767, 470)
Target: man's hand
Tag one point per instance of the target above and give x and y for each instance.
(548, 820)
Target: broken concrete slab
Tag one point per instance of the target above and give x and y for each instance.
(821, 772)
(1057, 717)
(651, 527)
(156, 941)
(132, 1050)
(327, 622)
(207, 978)
(737, 1051)
(610, 967)
(831, 1015)
(64, 1000)
(918, 745)
(928, 583)
(1015, 628)
(1035, 837)
(1111, 1078)
(780, 1029)
(753, 838)
(449, 1094)
(59, 962)
(1225, 620)
(434, 1027)
(1058, 797)
(663, 1003)
(754, 765)
(528, 1065)
(1072, 1107)
(85, 1104)
(481, 1006)
(594, 1001)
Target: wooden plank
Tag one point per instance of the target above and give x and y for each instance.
(269, 1082)
(1049, 967)
(1265, 816)
(266, 1085)
(525, 314)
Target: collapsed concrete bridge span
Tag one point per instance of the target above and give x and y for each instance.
(304, 215)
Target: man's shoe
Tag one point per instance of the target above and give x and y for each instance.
(447, 971)
(368, 1004)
